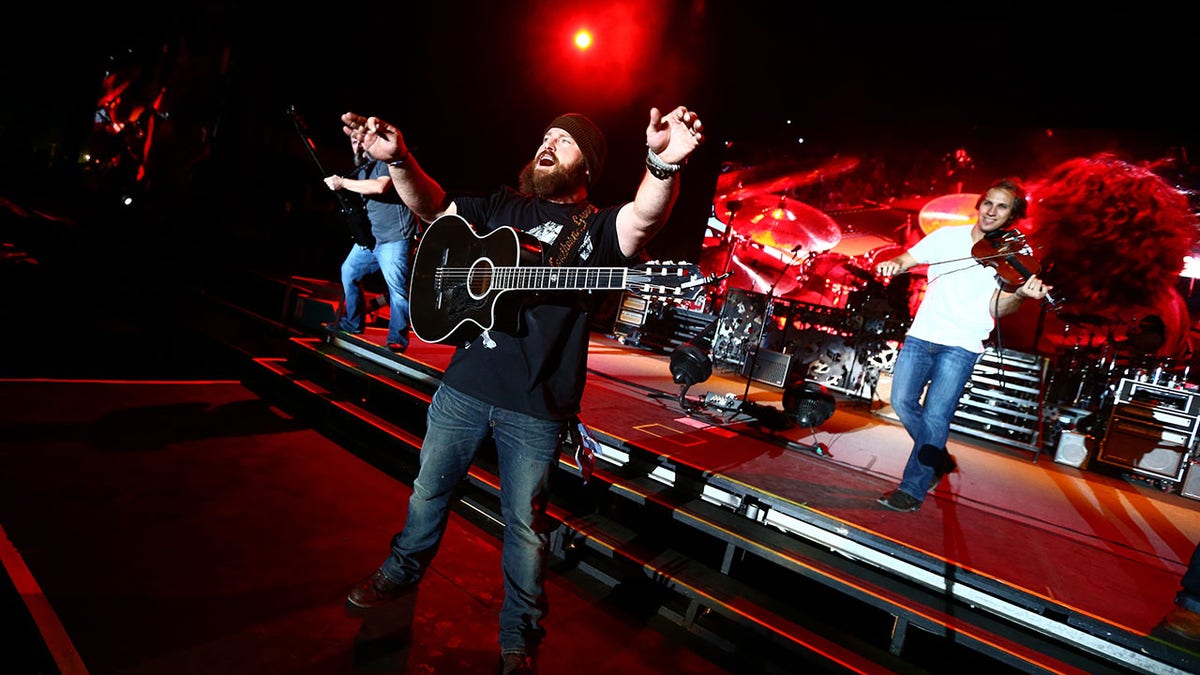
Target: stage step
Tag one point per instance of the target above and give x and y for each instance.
(718, 559)
(716, 568)
(598, 547)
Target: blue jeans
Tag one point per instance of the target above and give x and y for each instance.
(527, 449)
(391, 258)
(1189, 587)
(945, 370)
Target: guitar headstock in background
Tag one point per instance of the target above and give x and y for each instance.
(669, 279)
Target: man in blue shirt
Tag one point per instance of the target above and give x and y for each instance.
(394, 227)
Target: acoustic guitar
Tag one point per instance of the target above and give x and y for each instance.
(464, 284)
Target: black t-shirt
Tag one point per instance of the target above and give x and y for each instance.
(540, 370)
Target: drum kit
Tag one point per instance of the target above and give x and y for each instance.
(777, 254)
(777, 245)
(778, 258)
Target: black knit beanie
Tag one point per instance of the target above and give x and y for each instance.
(589, 138)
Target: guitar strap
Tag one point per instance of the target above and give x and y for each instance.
(570, 237)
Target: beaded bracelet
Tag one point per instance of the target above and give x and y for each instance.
(658, 168)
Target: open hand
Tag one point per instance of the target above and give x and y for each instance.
(382, 140)
(675, 135)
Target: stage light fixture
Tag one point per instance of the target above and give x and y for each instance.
(808, 404)
(690, 365)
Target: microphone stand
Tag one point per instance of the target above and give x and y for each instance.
(352, 208)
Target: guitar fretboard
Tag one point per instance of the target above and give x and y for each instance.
(538, 278)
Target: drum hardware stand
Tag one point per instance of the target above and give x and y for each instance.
(727, 239)
(768, 415)
(861, 361)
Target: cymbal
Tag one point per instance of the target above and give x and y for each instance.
(956, 209)
(912, 204)
(782, 176)
(728, 205)
(781, 222)
(751, 176)
(754, 267)
(830, 169)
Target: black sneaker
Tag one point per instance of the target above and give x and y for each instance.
(336, 327)
(378, 590)
(1182, 623)
(947, 468)
(900, 501)
(517, 663)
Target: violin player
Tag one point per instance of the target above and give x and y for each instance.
(964, 297)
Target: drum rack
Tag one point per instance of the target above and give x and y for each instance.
(835, 347)
(1003, 401)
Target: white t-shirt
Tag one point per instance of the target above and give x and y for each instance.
(956, 308)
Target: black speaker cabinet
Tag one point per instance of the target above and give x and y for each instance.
(1191, 480)
(770, 367)
(1074, 449)
(1145, 445)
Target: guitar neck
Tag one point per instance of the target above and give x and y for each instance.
(559, 278)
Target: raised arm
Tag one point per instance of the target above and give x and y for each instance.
(420, 193)
(670, 140)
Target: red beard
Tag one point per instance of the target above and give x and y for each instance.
(559, 183)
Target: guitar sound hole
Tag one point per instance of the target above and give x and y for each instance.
(480, 279)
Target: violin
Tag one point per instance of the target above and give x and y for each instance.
(1007, 253)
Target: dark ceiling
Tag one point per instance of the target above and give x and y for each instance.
(473, 83)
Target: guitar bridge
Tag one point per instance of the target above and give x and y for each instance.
(437, 278)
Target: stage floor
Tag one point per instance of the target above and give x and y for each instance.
(1109, 547)
(175, 527)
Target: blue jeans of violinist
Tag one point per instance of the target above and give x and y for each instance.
(1189, 587)
(944, 371)
(527, 448)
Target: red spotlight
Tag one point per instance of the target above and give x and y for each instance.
(583, 39)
